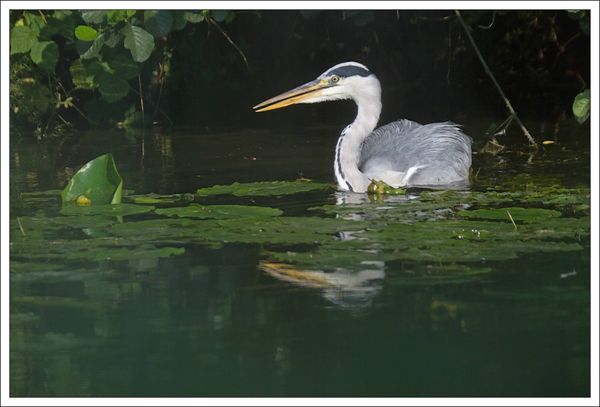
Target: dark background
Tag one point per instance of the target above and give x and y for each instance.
(428, 70)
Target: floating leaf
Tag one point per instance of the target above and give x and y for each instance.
(139, 42)
(153, 198)
(85, 33)
(220, 211)
(267, 188)
(21, 39)
(98, 180)
(158, 22)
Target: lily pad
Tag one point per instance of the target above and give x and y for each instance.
(98, 181)
(152, 198)
(266, 188)
(220, 211)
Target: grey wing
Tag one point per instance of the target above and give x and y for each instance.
(431, 154)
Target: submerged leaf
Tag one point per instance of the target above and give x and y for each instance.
(220, 211)
(518, 214)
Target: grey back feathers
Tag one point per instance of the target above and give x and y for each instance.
(434, 154)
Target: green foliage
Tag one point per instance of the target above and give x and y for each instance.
(581, 106)
(139, 42)
(45, 54)
(103, 51)
(97, 182)
(21, 39)
(158, 22)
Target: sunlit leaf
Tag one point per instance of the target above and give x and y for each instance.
(98, 180)
(85, 33)
(581, 106)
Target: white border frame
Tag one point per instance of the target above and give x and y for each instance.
(239, 5)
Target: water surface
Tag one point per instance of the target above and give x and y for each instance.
(403, 300)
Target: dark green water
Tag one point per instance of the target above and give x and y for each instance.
(424, 314)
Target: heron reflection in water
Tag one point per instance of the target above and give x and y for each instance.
(401, 154)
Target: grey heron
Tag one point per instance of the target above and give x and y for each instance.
(401, 154)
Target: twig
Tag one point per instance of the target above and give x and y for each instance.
(141, 99)
(131, 88)
(531, 140)
(43, 16)
(487, 27)
(21, 226)
(213, 22)
(67, 94)
(512, 220)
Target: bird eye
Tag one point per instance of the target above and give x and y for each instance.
(335, 79)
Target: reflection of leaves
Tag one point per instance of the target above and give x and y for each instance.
(267, 188)
(106, 210)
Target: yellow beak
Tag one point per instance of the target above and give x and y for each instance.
(296, 95)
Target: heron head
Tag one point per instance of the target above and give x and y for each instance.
(348, 80)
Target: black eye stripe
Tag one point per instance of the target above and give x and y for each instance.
(349, 70)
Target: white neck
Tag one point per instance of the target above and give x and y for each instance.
(367, 96)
